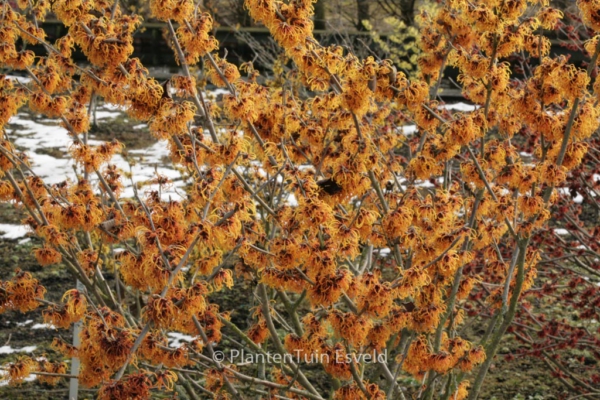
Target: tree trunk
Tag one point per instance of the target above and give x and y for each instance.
(362, 13)
(320, 14)
(407, 8)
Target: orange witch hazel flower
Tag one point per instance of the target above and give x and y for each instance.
(47, 256)
(20, 369)
(353, 392)
(329, 209)
(21, 293)
(74, 309)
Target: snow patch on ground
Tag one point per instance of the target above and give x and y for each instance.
(460, 107)
(43, 326)
(565, 191)
(10, 231)
(107, 114)
(408, 130)
(291, 200)
(21, 79)
(35, 136)
(9, 350)
(175, 339)
(384, 251)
